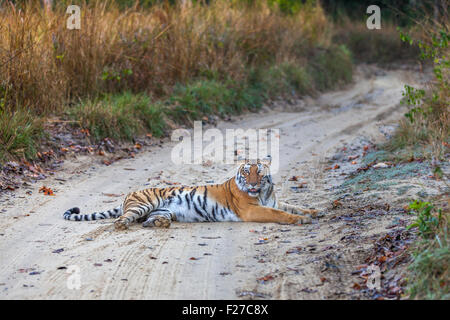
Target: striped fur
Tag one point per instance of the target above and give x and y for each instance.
(248, 196)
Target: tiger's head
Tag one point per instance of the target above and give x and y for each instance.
(254, 177)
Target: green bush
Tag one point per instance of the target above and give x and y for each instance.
(330, 67)
(427, 222)
(120, 116)
(20, 134)
(428, 273)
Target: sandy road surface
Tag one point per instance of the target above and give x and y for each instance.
(229, 259)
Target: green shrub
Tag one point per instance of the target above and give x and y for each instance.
(330, 67)
(20, 134)
(427, 221)
(428, 273)
(202, 97)
(120, 116)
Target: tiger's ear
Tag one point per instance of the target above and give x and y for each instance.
(266, 161)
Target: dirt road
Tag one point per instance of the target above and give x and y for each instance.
(203, 260)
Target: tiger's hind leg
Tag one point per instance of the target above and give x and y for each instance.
(160, 218)
(134, 208)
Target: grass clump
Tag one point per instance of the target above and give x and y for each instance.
(120, 116)
(428, 276)
(329, 67)
(20, 133)
(202, 97)
(279, 80)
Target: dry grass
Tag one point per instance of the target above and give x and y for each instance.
(43, 65)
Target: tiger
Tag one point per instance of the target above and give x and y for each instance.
(247, 196)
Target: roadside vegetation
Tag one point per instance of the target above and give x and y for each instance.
(428, 275)
(426, 130)
(134, 66)
(423, 135)
(426, 126)
(180, 61)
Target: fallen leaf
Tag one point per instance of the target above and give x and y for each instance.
(46, 191)
(336, 203)
(266, 278)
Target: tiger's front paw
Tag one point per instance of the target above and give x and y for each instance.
(303, 220)
(121, 223)
(313, 213)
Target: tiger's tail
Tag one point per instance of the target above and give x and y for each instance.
(74, 214)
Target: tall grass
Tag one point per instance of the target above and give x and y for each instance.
(20, 133)
(43, 64)
(194, 58)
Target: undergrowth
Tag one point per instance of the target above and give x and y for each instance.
(428, 276)
(20, 133)
(123, 116)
